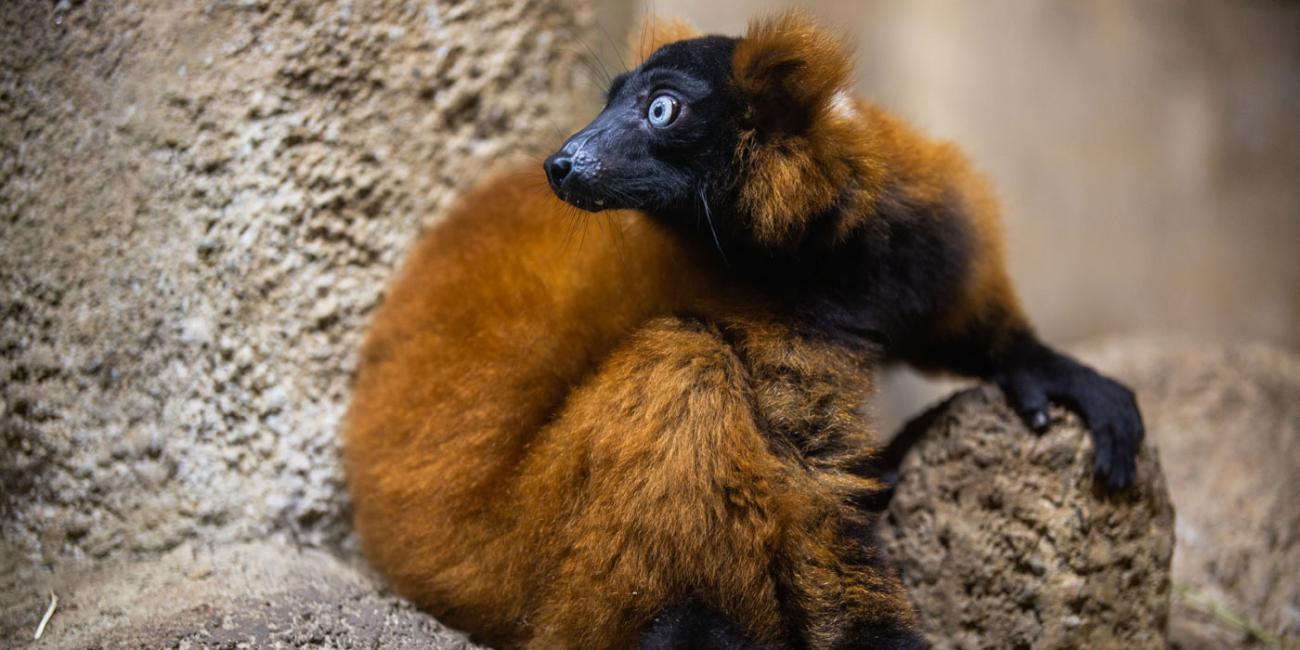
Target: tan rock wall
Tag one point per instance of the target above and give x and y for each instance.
(200, 204)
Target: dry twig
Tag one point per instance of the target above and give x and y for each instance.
(45, 620)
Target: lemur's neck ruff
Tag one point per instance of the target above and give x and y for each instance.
(806, 149)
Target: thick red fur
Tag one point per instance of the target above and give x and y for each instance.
(563, 423)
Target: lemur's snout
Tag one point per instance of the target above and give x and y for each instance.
(558, 167)
(571, 177)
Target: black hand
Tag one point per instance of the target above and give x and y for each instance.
(1108, 408)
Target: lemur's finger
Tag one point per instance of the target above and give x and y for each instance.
(1029, 399)
(1110, 410)
(1038, 421)
(1114, 465)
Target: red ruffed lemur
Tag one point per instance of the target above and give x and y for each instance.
(652, 434)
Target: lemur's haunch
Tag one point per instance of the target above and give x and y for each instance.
(650, 433)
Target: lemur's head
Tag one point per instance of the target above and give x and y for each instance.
(757, 132)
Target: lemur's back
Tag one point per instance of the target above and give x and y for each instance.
(500, 310)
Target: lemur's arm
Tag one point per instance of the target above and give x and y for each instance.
(971, 323)
(991, 340)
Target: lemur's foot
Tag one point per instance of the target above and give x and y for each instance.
(1109, 409)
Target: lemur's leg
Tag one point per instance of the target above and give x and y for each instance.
(812, 389)
(681, 495)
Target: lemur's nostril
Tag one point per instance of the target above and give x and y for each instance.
(558, 167)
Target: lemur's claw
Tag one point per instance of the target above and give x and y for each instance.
(1038, 421)
(1029, 399)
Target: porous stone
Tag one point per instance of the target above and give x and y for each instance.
(1004, 541)
(200, 204)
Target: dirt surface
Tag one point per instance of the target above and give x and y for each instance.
(1227, 422)
(200, 204)
(1004, 542)
(242, 596)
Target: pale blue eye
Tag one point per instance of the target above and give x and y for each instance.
(663, 110)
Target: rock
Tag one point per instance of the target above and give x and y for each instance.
(1004, 542)
(1226, 419)
(200, 204)
(246, 595)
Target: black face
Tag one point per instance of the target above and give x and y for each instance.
(663, 142)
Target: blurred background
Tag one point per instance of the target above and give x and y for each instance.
(1147, 154)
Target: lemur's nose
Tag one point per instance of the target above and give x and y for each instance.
(558, 167)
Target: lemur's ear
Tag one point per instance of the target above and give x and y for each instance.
(788, 69)
(653, 33)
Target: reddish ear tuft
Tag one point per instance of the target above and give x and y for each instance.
(802, 145)
(789, 68)
(653, 33)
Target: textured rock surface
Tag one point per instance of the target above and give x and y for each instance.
(245, 596)
(200, 203)
(1227, 422)
(1004, 543)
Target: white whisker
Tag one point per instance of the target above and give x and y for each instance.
(708, 217)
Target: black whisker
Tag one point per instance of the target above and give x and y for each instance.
(596, 58)
(618, 51)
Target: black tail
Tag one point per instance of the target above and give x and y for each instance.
(884, 636)
(693, 625)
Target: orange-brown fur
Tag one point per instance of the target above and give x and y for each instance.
(554, 433)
